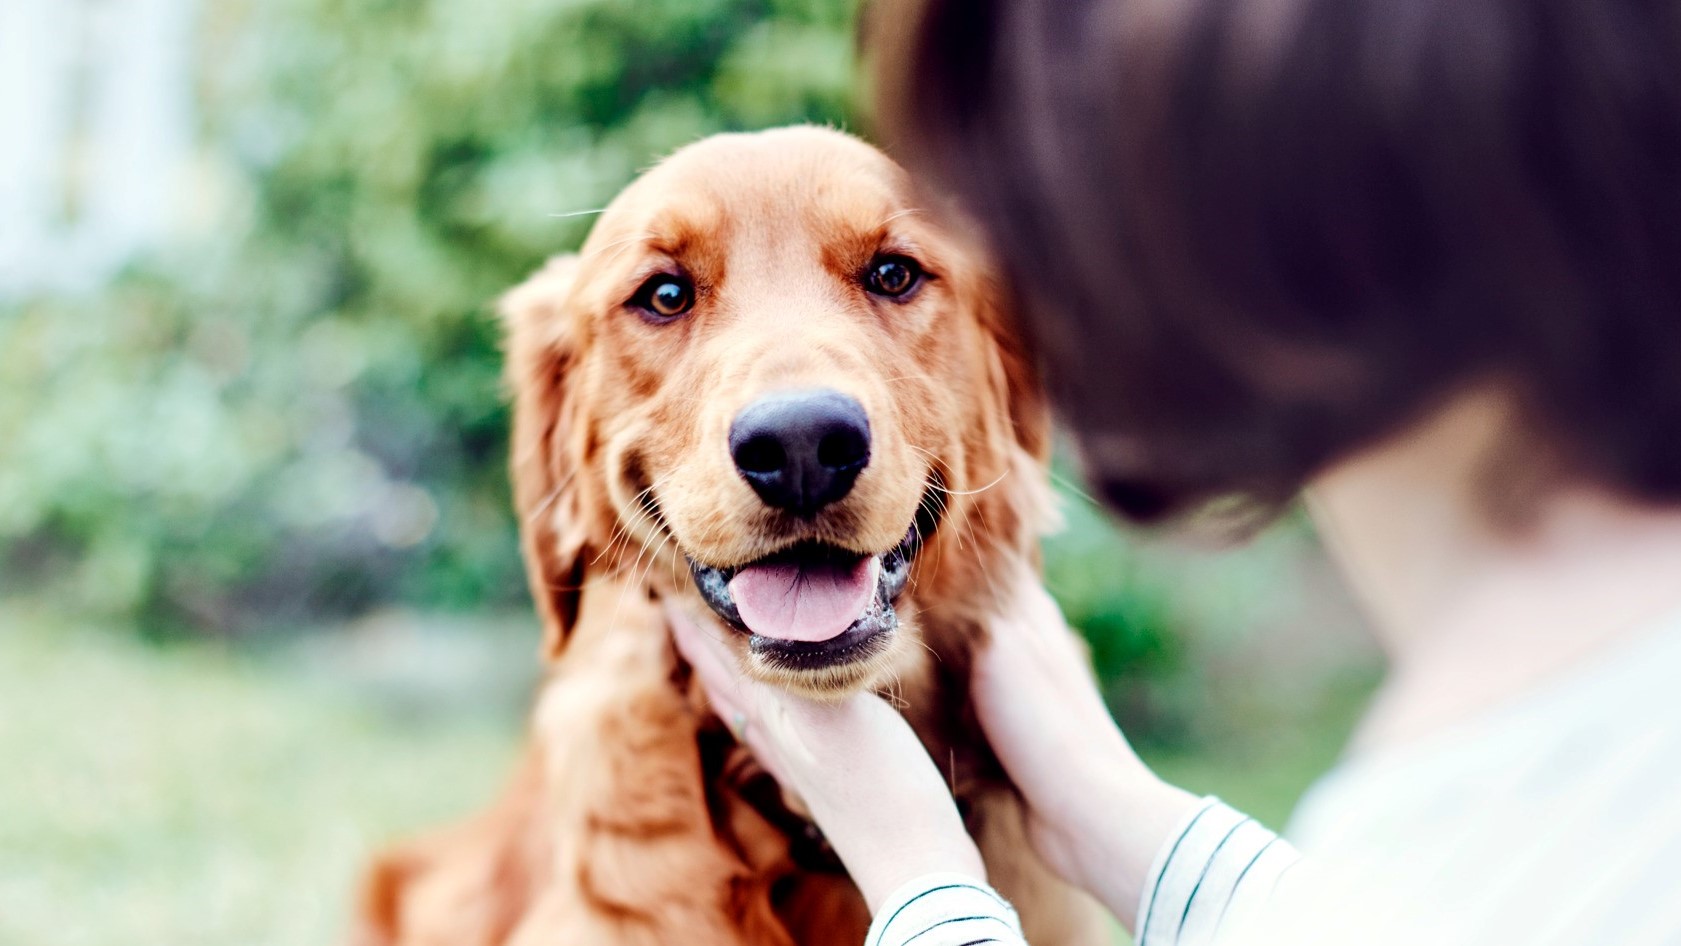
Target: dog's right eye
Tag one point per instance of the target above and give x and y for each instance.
(665, 296)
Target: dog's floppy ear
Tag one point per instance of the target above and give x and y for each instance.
(1030, 412)
(541, 347)
(1030, 507)
(1014, 375)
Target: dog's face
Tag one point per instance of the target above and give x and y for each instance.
(770, 371)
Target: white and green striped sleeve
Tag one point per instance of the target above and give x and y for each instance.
(945, 910)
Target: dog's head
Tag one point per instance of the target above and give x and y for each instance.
(771, 370)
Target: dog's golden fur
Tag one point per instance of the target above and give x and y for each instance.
(630, 821)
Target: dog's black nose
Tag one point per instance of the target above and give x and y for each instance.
(801, 451)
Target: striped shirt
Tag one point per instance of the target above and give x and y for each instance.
(1553, 820)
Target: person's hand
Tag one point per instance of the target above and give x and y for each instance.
(856, 764)
(1098, 815)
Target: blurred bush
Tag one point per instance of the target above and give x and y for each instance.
(301, 417)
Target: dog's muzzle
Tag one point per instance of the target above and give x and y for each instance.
(814, 606)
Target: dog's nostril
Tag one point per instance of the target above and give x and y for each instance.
(842, 449)
(761, 455)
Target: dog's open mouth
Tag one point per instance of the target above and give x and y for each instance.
(814, 606)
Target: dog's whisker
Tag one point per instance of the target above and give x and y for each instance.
(895, 692)
(942, 506)
(618, 246)
(1072, 486)
(664, 539)
(907, 212)
(928, 647)
(548, 500)
(659, 549)
(636, 516)
(911, 377)
(974, 492)
(637, 584)
(621, 531)
(640, 584)
(622, 537)
(579, 213)
(945, 490)
(640, 516)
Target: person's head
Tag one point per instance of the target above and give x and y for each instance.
(1255, 236)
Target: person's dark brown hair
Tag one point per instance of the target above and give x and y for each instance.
(1256, 235)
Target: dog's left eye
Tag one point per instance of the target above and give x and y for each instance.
(665, 296)
(892, 276)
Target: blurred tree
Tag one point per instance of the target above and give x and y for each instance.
(303, 419)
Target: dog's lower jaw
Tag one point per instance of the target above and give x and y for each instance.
(835, 683)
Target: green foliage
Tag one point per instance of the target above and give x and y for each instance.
(1126, 612)
(303, 415)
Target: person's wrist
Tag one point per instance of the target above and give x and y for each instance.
(891, 818)
(1119, 838)
(899, 841)
(1100, 775)
(889, 871)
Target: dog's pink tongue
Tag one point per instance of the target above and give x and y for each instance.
(810, 603)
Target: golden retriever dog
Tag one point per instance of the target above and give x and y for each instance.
(775, 387)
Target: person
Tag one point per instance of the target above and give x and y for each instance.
(1416, 261)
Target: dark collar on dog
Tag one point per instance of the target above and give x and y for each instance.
(807, 847)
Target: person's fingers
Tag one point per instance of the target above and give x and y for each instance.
(709, 657)
(711, 662)
(751, 713)
(692, 642)
(862, 772)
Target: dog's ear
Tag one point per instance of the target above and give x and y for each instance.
(1022, 387)
(1029, 509)
(1013, 373)
(541, 344)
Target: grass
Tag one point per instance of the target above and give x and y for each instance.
(206, 795)
(190, 796)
